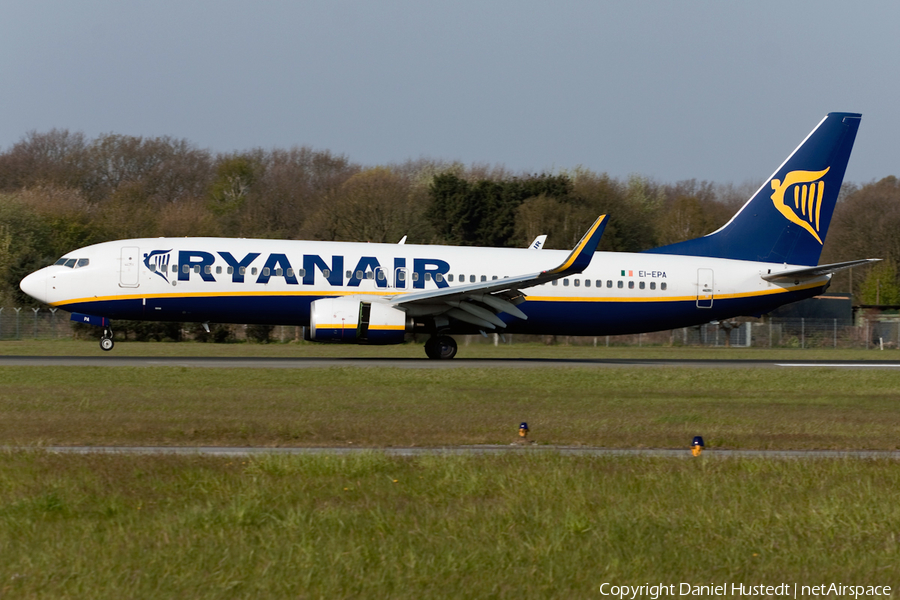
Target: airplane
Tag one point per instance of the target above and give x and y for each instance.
(361, 293)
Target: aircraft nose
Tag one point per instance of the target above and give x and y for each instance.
(35, 285)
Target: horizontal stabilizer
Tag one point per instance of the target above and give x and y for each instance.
(815, 272)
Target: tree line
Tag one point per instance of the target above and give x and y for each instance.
(61, 190)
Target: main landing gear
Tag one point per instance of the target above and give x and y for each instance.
(106, 340)
(440, 347)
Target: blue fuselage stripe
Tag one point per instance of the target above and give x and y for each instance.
(557, 317)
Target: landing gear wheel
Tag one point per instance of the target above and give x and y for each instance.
(106, 340)
(442, 347)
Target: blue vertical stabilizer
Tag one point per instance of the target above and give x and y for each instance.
(788, 217)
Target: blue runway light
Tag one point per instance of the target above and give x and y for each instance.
(697, 445)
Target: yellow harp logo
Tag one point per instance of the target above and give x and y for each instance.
(808, 192)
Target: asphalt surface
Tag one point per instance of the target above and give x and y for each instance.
(111, 360)
(464, 450)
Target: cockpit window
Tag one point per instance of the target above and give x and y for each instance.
(73, 262)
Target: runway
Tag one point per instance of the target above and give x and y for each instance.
(464, 450)
(421, 363)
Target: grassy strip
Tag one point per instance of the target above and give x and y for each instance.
(475, 350)
(614, 407)
(523, 526)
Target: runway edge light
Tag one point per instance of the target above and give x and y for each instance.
(697, 445)
(523, 430)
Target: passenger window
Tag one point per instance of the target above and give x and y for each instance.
(185, 269)
(83, 262)
(265, 271)
(349, 274)
(290, 272)
(662, 286)
(254, 271)
(301, 273)
(174, 268)
(577, 283)
(587, 283)
(359, 274)
(494, 278)
(565, 282)
(556, 282)
(450, 278)
(218, 270)
(471, 279)
(652, 285)
(415, 276)
(243, 270)
(207, 269)
(608, 283)
(230, 270)
(401, 275)
(439, 277)
(427, 276)
(630, 285)
(380, 275)
(196, 268)
(370, 274)
(641, 285)
(620, 285)
(326, 273)
(153, 268)
(484, 277)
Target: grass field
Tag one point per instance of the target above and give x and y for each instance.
(378, 407)
(367, 526)
(524, 525)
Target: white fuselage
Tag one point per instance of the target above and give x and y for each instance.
(274, 281)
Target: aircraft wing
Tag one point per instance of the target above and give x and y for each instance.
(814, 272)
(538, 242)
(480, 303)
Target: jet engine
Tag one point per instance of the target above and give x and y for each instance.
(356, 320)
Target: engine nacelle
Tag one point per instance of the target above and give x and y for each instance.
(356, 320)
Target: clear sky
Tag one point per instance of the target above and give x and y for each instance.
(718, 91)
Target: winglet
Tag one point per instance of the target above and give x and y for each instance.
(581, 255)
(538, 242)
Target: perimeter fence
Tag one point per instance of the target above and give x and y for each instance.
(883, 331)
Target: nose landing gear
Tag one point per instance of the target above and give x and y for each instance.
(440, 347)
(106, 340)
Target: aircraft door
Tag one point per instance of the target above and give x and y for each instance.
(704, 288)
(130, 267)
